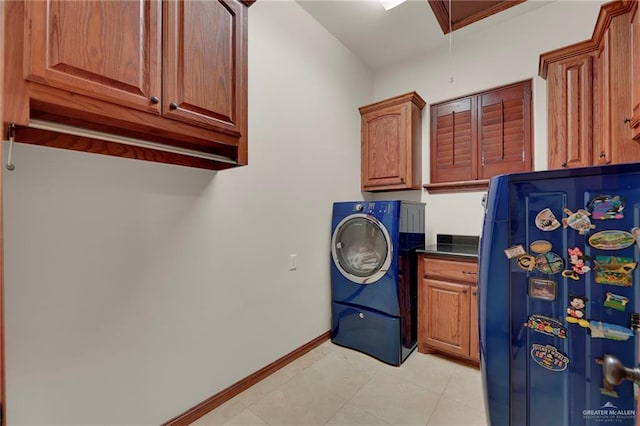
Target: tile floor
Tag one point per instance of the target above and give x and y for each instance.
(332, 385)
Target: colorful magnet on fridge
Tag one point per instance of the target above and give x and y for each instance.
(568, 273)
(615, 301)
(579, 220)
(611, 240)
(603, 330)
(514, 251)
(578, 261)
(540, 246)
(636, 235)
(546, 325)
(614, 270)
(635, 321)
(605, 207)
(575, 310)
(526, 262)
(540, 288)
(549, 263)
(549, 357)
(546, 220)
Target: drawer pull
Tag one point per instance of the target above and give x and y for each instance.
(469, 273)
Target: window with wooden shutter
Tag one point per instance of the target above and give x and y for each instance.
(453, 154)
(479, 136)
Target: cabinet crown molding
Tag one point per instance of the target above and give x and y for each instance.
(608, 11)
(412, 97)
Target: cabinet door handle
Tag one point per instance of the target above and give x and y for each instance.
(173, 106)
(154, 100)
(464, 291)
(602, 154)
(563, 165)
(474, 293)
(627, 120)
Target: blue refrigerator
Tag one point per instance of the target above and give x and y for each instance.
(558, 294)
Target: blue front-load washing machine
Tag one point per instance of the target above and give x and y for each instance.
(374, 276)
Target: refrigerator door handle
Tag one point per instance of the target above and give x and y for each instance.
(615, 372)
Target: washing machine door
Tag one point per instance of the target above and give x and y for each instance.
(361, 248)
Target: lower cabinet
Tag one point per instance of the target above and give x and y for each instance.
(448, 307)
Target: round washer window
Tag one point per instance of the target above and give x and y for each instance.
(361, 248)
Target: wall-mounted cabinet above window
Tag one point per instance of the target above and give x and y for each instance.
(476, 137)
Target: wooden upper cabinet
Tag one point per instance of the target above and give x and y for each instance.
(203, 48)
(592, 93)
(634, 19)
(391, 143)
(108, 50)
(479, 136)
(162, 81)
(570, 109)
(453, 126)
(505, 131)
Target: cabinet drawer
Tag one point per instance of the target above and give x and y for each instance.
(450, 269)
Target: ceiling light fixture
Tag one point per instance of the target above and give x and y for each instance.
(390, 4)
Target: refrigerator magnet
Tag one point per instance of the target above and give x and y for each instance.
(575, 310)
(636, 235)
(615, 301)
(526, 262)
(546, 325)
(605, 207)
(614, 270)
(603, 330)
(546, 220)
(540, 288)
(611, 240)
(514, 251)
(549, 263)
(549, 357)
(579, 220)
(540, 246)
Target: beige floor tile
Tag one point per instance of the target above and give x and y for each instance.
(222, 414)
(335, 375)
(465, 386)
(299, 401)
(428, 371)
(265, 386)
(245, 418)
(350, 415)
(339, 386)
(450, 412)
(396, 401)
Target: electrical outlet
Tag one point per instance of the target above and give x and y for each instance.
(292, 262)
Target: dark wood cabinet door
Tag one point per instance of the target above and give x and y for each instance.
(504, 135)
(107, 50)
(570, 109)
(453, 141)
(204, 80)
(384, 147)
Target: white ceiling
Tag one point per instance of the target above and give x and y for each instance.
(381, 38)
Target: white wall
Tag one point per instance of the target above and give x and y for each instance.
(136, 290)
(501, 54)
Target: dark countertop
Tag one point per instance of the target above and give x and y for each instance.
(457, 250)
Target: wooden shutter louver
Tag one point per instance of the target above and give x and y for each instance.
(503, 137)
(453, 151)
